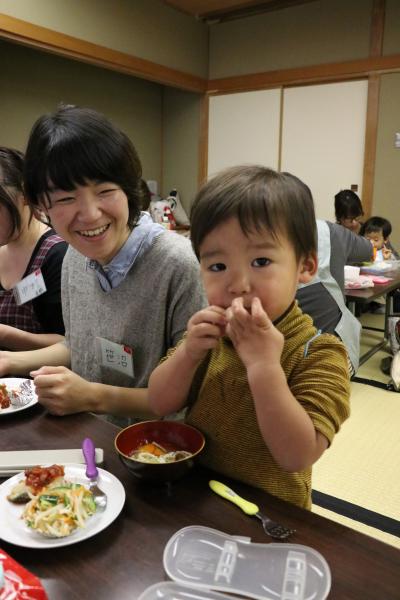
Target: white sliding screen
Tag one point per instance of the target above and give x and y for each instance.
(244, 128)
(323, 138)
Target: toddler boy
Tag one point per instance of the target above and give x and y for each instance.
(268, 391)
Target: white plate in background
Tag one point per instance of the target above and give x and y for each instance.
(13, 383)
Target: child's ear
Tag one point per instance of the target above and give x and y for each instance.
(308, 268)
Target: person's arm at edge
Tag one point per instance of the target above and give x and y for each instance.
(285, 426)
(16, 339)
(122, 401)
(358, 248)
(22, 363)
(170, 382)
(288, 428)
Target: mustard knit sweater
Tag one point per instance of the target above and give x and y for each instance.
(223, 408)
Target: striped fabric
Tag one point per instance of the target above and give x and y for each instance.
(224, 409)
(23, 316)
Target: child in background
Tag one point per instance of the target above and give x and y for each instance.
(378, 230)
(268, 391)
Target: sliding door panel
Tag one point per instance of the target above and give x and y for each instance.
(323, 138)
(243, 129)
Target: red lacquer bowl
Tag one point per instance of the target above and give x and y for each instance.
(166, 433)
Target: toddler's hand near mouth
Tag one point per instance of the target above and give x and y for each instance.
(253, 334)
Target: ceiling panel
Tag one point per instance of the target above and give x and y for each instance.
(229, 9)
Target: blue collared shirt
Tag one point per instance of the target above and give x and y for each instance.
(139, 240)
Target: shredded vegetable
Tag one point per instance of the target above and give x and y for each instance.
(57, 512)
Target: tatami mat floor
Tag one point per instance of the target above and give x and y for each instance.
(363, 465)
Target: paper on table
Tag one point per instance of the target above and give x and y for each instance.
(12, 462)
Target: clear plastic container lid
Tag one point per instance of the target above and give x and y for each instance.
(208, 559)
(170, 590)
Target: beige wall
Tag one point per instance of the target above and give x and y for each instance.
(323, 136)
(387, 174)
(34, 83)
(144, 28)
(181, 131)
(313, 33)
(308, 34)
(244, 128)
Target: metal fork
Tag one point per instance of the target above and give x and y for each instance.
(276, 530)
(89, 450)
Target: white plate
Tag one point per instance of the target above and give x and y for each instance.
(13, 383)
(14, 530)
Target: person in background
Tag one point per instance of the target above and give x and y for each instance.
(267, 390)
(378, 231)
(324, 297)
(128, 285)
(348, 210)
(31, 256)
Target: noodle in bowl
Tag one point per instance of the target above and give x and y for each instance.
(159, 451)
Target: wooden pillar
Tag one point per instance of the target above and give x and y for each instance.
(371, 127)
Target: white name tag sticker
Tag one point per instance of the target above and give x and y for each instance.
(117, 357)
(29, 287)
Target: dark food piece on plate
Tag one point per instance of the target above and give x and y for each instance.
(36, 478)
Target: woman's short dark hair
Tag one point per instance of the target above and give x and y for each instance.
(11, 169)
(145, 195)
(347, 205)
(259, 198)
(377, 224)
(74, 146)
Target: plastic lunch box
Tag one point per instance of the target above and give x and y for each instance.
(203, 563)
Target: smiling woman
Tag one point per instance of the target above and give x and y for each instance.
(93, 219)
(84, 175)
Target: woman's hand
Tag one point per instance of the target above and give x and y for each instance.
(203, 331)
(253, 334)
(61, 391)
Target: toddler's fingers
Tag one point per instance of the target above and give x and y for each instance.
(209, 315)
(237, 311)
(259, 315)
(203, 330)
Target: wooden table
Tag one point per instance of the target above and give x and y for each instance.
(364, 296)
(126, 558)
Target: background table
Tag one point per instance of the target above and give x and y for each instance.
(361, 297)
(126, 558)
